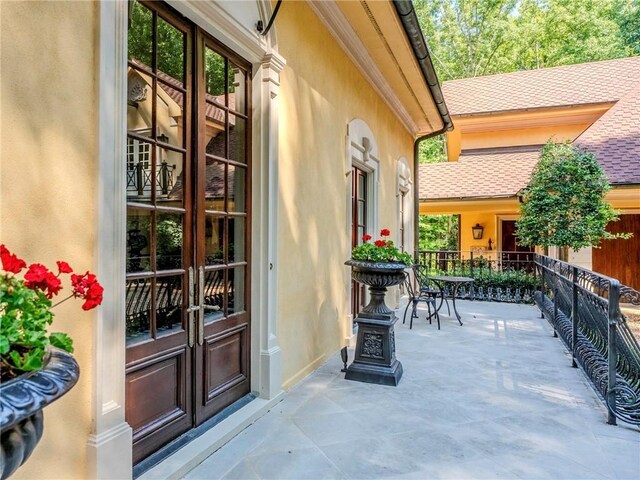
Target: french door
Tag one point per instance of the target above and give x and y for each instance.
(188, 224)
(358, 230)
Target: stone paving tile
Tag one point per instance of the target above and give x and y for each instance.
(494, 399)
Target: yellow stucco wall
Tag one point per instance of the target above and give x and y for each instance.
(321, 91)
(48, 183)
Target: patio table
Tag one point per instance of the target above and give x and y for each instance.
(442, 280)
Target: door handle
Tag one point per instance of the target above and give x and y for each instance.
(201, 305)
(191, 309)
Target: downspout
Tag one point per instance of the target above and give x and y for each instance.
(411, 26)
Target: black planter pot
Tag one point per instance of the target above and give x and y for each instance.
(375, 357)
(21, 403)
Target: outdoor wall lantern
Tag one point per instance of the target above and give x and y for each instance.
(477, 231)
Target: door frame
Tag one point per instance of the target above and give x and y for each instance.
(109, 444)
(361, 152)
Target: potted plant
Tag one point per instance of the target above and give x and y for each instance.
(36, 367)
(378, 265)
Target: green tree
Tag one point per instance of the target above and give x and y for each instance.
(564, 205)
(468, 38)
(438, 232)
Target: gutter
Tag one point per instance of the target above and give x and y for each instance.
(409, 20)
(411, 26)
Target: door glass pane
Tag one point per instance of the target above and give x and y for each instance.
(170, 51)
(139, 163)
(214, 65)
(169, 178)
(360, 213)
(168, 304)
(140, 35)
(237, 87)
(214, 240)
(138, 310)
(170, 113)
(236, 239)
(214, 186)
(216, 136)
(169, 241)
(138, 235)
(362, 186)
(236, 185)
(235, 293)
(214, 294)
(237, 138)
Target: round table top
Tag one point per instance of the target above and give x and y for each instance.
(447, 278)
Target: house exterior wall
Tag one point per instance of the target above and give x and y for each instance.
(49, 205)
(48, 184)
(321, 92)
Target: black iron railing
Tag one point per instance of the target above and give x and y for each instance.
(498, 276)
(584, 309)
(139, 179)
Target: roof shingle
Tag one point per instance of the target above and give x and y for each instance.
(496, 174)
(615, 139)
(585, 83)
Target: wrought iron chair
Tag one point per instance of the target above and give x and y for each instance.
(416, 296)
(428, 287)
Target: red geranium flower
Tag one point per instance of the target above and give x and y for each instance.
(38, 277)
(385, 232)
(87, 287)
(366, 238)
(63, 267)
(10, 262)
(380, 243)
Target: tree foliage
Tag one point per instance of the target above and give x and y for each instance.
(468, 38)
(564, 205)
(438, 232)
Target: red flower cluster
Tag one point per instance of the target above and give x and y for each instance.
(10, 262)
(380, 243)
(366, 238)
(38, 277)
(87, 287)
(385, 232)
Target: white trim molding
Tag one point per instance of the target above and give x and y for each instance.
(266, 373)
(329, 13)
(110, 439)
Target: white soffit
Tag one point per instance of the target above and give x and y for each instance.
(347, 38)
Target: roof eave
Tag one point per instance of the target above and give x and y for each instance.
(409, 21)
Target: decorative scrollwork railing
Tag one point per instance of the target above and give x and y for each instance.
(584, 309)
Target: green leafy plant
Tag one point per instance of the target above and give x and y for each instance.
(564, 205)
(25, 311)
(380, 251)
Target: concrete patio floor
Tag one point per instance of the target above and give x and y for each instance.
(495, 398)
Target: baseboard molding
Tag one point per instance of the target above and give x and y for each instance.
(109, 453)
(305, 371)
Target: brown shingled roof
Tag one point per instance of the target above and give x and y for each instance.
(585, 83)
(496, 174)
(615, 139)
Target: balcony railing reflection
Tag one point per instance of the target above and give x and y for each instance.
(139, 179)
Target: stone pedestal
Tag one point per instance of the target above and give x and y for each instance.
(375, 357)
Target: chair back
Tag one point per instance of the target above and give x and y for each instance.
(408, 283)
(425, 284)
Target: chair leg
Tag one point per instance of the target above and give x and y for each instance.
(438, 319)
(429, 311)
(404, 317)
(413, 314)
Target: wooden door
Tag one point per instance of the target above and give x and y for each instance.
(513, 255)
(222, 229)
(620, 258)
(187, 227)
(358, 230)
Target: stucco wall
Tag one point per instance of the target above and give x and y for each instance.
(321, 91)
(48, 184)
